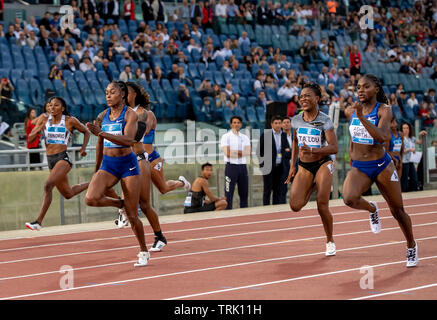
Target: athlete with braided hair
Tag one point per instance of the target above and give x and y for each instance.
(369, 127)
(115, 161)
(314, 142)
(138, 100)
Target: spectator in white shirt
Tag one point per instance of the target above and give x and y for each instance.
(193, 46)
(221, 11)
(244, 39)
(86, 65)
(412, 101)
(126, 74)
(288, 90)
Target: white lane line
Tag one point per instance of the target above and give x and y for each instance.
(197, 229)
(194, 229)
(204, 238)
(397, 291)
(204, 252)
(230, 266)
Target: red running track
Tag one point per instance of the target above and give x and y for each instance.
(277, 255)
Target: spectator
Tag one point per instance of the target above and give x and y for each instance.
(221, 11)
(430, 96)
(426, 114)
(412, 101)
(293, 106)
(86, 65)
(71, 65)
(127, 59)
(173, 74)
(158, 74)
(434, 74)
(206, 108)
(323, 78)
(184, 12)
(158, 7)
(29, 124)
(261, 15)
(183, 94)
(126, 74)
(355, 60)
(139, 74)
(205, 89)
(232, 12)
(236, 147)
(220, 100)
(207, 16)
(195, 13)
(261, 101)
(259, 81)
(228, 89)
(45, 42)
(244, 40)
(32, 40)
(107, 70)
(147, 10)
(409, 180)
(8, 110)
(288, 90)
(182, 77)
(232, 102)
(193, 45)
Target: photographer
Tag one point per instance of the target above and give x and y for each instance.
(8, 110)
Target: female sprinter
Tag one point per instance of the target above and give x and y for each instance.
(395, 146)
(314, 141)
(158, 177)
(57, 127)
(138, 100)
(116, 133)
(369, 128)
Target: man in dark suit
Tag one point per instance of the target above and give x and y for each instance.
(45, 42)
(195, 12)
(286, 145)
(271, 160)
(147, 9)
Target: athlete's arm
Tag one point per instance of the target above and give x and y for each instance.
(99, 144)
(42, 120)
(205, 187)
(81, 128)
(402, 145)
(381, 133)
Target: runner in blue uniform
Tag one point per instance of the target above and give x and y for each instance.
(369, 127)
(395, 147)
(115, 161)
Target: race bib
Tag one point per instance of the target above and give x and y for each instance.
(311, 136)
(187, 202)
(115, 129)
(359, 133)
(397, 144)
(56, 135)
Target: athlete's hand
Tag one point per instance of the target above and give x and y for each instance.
(82, 152)
(358, 108)
(291, 174)
(305, 149)
(95, 130)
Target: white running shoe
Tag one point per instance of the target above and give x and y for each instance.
(158, 244)
(33, 225)
(187, 185)
(412, 256)
(143, 259)
(122, 220)
(330, 249)
(375, 223)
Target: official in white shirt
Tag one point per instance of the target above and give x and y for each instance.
(236, 146)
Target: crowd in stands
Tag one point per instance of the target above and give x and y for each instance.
(212, 59)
